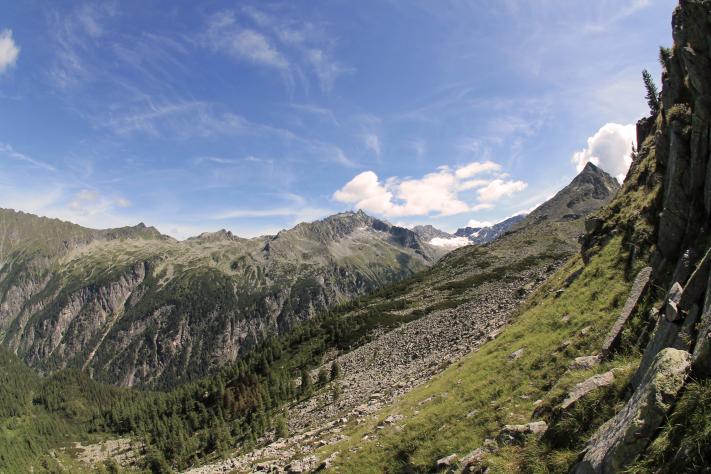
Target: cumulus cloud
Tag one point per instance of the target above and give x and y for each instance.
(610, 148)
(475, 223)
(499, 188)
(9, 51)
(476, 168)
(441, 192)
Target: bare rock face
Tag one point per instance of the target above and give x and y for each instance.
(618, 442)
(702, 350)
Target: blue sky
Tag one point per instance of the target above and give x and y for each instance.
(254, 116)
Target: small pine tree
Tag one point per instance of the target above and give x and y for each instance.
(305, 381)
(281, 430)
(336, 392)
(664, 56)
(652, 93)
(322, 376)
(335, 370)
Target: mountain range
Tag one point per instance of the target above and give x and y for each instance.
(135, 307)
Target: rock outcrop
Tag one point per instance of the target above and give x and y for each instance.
(619, 441)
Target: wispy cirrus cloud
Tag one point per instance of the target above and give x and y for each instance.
(276, 41)
(225, 34)
(13, 154)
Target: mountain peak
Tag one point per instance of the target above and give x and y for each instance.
(590, 167)
(591, 189)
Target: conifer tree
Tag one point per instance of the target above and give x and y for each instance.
(652, 93)
(335, 370)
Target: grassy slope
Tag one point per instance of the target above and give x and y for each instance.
(494, 389)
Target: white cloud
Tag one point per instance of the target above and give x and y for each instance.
(225, 34)
(367, 193)
(499, 188)
(89, 202)
(9, 51)
(482, 207)
(450, 243)
(435, 193)
(372, 143)
(476, 168)
(256, 47)
(610, 148)
(325, 68)
(476, 223)
(122, 202)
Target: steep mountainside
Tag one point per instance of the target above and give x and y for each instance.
(134, 307)
(482, 235)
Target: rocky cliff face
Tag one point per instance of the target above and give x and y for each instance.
(137, 308)
(669, 185)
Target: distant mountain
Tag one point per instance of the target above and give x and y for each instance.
(429, 232)
(483, 235)
(134, 307)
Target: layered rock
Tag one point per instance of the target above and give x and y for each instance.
(619, 441)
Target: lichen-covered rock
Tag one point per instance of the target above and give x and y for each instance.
(620, 440)
(671, 310)
(585, 362)
(640, 285)
(516, 434)
(585, 387)
(446, 462)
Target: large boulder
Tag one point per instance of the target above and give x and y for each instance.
(620, 440)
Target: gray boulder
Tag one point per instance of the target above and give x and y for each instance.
(620, 440)
(516, 434)
(446, 462)
(671, 310)
(585, 362)
(587, 386)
